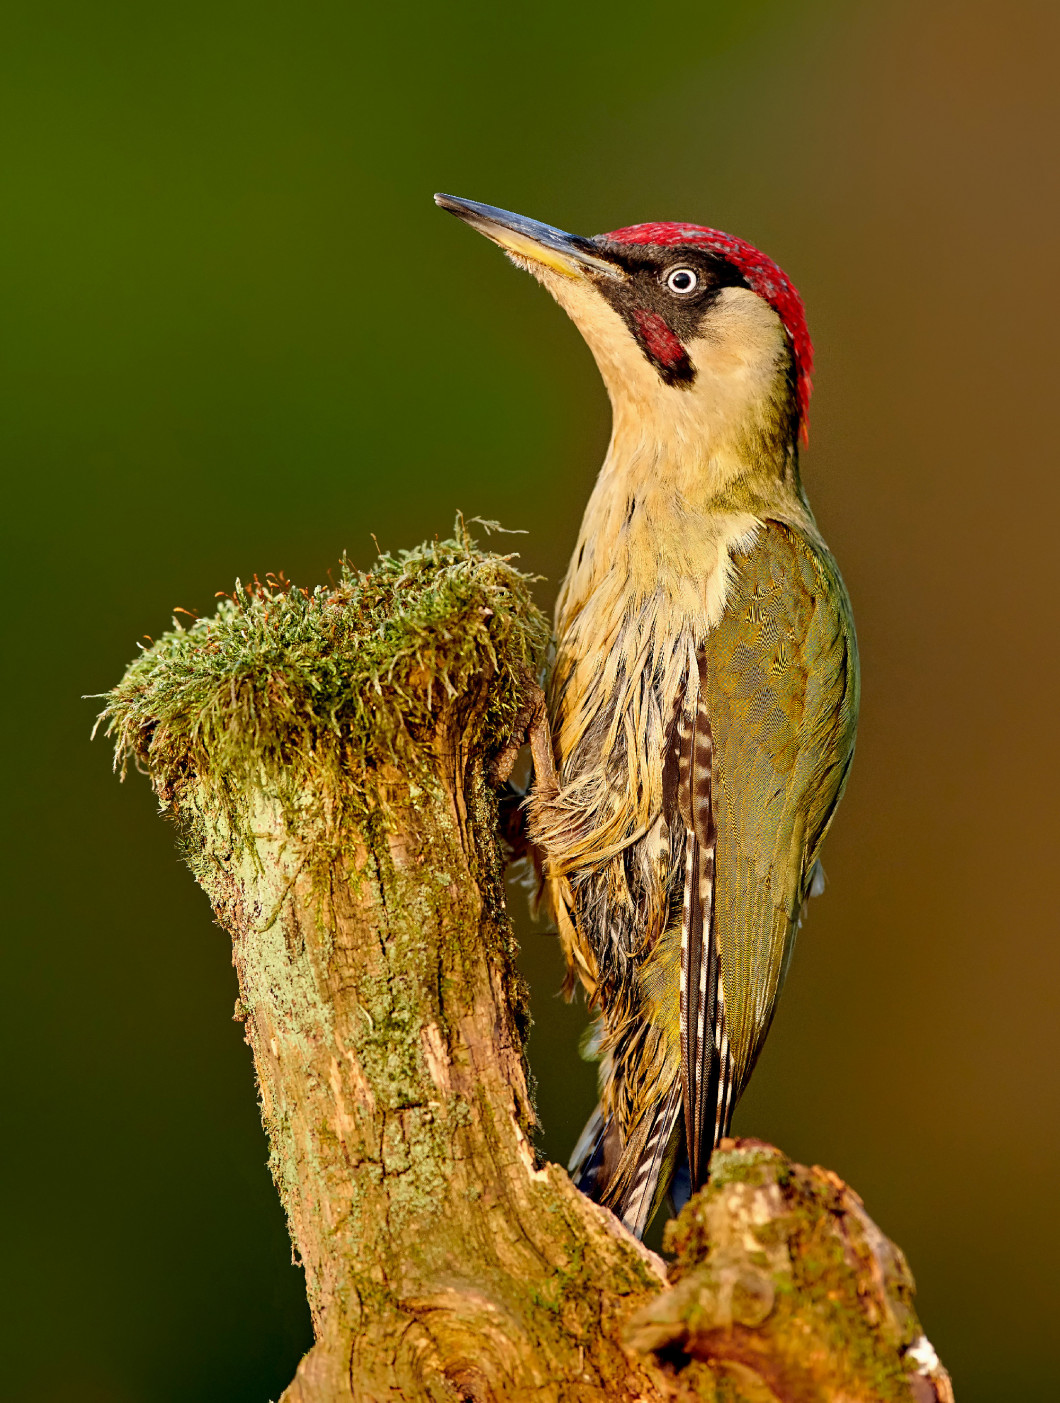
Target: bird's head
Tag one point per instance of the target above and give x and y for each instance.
(700, 338)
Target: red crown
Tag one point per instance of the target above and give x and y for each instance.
(762, 275)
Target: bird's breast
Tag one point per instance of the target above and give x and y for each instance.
(649, 560)
(638, 601)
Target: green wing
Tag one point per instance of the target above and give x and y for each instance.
(781, 678)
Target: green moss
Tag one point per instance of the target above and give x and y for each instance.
(315, 691)
(747, 1166)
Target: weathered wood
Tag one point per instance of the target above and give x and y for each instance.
(348, 844)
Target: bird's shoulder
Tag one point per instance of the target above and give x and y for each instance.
(781, 667)
(788, 558)
(786, 606)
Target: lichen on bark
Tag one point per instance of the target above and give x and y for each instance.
(326, 756)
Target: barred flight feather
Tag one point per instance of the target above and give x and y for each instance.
(701, 1065)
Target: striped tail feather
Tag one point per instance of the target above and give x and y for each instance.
(587, 1157)
(633, 1179)
(638, 1203)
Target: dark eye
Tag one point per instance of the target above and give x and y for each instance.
(682, 281)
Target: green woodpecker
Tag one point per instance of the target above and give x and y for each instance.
(704, 698)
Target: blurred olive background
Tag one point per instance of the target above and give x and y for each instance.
(237, 336)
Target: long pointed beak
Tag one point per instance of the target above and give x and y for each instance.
(528, 239)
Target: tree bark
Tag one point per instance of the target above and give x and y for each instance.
(353, 858)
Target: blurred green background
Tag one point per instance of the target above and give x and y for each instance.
(237, 336)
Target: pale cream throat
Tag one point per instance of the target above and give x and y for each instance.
(649, 537)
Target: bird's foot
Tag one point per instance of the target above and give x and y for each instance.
(531, 725)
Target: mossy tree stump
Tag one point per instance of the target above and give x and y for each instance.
(326, 757)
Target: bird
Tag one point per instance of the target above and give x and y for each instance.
(703, 699)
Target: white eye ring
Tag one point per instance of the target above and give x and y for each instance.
(682, 281)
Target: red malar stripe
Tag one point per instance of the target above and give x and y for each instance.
(658, 337)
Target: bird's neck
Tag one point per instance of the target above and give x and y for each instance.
(700, 455)
(674, 485)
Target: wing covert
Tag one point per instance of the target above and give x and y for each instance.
(781, 681)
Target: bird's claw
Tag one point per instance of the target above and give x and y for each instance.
(530, 725)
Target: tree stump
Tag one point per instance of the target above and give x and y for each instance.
(326, 758)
